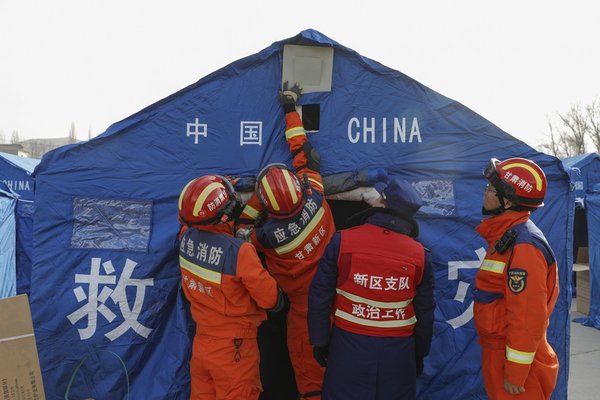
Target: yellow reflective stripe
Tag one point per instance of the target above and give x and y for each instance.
(293, 132)
(270, 194)
(519, 357)
(379, 304)
(538, 178)
(290, 185)
(494, 266)
(303, 235)
(316, 183)
(251, 211)
(204, 273)
(396, 323)
(202, 198)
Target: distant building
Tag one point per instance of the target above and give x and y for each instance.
(36, 148)
(14, 148)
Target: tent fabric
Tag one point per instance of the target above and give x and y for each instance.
(119, 292)
(592, 202)
(585, 176)
(8, 201)
(586, 172)
(16, 172)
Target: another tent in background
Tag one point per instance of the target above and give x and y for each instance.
(105, 298)
(8, 273)
(585, 175)
(15, 173)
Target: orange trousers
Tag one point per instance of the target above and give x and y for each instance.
(539, 383)
(308, 373)
(224, 369)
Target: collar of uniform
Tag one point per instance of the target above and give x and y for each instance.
(494, 227)
(226, 228)
(392, 222)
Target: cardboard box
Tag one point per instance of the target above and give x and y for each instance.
(582, 277)
(20, 375)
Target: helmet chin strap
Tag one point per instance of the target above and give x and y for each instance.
(498, 210)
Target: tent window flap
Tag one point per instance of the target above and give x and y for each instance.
(111, 224)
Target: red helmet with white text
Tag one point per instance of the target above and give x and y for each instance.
(280, 191)
(519, 180)
(209, 199)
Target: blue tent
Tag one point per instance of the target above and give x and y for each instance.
(105, 219)
(15, 173)
(585, 175)
(8, 273)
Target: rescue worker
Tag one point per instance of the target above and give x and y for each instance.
(516, 285)
(228, 290)
(377, 282)
(290, 222)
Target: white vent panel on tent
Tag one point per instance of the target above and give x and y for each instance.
(309, 66)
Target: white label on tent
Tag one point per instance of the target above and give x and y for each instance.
(309, 66)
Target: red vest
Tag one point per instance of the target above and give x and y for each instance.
(378, 272)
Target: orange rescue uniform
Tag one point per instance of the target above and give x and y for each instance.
(228, 290)
(516, 291)
(293, 247)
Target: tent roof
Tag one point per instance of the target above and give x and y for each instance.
(580, 160)
(24, 163)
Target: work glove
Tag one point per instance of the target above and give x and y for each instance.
(290, 96)
(420, 365)
(244, 234)
(321, 353)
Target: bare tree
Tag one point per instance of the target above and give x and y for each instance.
(72, 134)
(576, 125)
(554, 146)
(14, 138)
(574, 131)
(2, 137)
(593, 113)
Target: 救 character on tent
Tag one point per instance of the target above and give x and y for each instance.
(516, 285)
(228, 290)
(377, 281)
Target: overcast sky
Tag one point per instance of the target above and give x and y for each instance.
(93, 63)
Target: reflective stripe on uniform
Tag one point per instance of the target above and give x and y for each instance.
(293, 132)
(303, 235)
(204, 273)
(519, 357)
(251, 211)
(379, 304)
(316, 183)
(494, 266)
(396, 323)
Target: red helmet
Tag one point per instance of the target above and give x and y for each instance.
(519, 180)
(279, 190)
(206, 200)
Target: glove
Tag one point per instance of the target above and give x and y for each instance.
(244, 234)
(290, 96)
(420, 365)
(320, 353)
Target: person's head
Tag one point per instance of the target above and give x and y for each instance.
(280, 191)
(398, 195)
(514, 184)
(207, 200)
